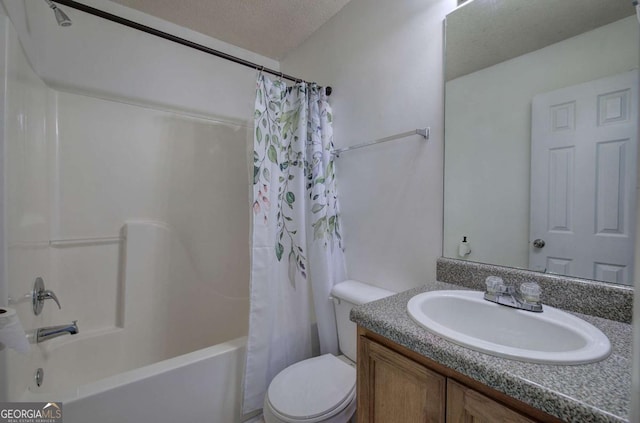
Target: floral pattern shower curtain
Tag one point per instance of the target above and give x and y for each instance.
(296, 245)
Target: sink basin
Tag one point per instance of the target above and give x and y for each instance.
(550, 337)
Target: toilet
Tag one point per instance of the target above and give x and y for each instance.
(323, 389)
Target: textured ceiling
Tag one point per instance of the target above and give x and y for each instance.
(268, 27)
(485, 32)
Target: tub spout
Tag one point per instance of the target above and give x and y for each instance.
(44, 334)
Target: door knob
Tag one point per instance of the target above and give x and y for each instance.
(539, 243)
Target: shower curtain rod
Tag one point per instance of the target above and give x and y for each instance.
(140, 27)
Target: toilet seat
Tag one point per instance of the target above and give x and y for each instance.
(312, 390)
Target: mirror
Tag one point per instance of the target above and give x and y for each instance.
(541, 131)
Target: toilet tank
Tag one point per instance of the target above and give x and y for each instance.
(346, 295)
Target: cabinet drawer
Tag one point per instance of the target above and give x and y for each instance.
(464, 405)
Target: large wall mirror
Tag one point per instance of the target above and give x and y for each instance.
(541, 134)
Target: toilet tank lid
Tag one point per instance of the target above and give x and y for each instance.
(358, 292)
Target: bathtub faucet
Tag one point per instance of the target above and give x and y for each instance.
(44, 334)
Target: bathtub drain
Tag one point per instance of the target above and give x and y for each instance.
(39, 376)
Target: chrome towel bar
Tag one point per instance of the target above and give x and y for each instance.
(424, 132)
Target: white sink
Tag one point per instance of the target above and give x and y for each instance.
(550, 337)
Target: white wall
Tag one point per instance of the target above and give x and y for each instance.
(487, 167)
(384, 61)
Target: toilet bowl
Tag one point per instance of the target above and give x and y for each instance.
(320, 389)
(323, 389)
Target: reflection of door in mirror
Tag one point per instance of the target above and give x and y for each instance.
(583, 191)
(493, 73)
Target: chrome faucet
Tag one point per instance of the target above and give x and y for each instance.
(44, 334)
(526, 297)
(39, 295)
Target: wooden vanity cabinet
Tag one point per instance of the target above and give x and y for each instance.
(397, 385)
(393, 388)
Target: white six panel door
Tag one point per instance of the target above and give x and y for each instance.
(583, 180)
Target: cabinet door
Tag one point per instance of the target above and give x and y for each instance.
(464, 405)
(393, 388)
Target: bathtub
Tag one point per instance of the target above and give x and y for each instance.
(168, 347)
(197, 387)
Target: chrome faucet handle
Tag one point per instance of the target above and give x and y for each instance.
(49, 295)
(39, 295)
(530, 292)
(495, 285)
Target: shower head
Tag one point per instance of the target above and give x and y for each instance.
(61, 17)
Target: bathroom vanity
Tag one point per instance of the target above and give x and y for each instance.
(396, 384)
(407, 374)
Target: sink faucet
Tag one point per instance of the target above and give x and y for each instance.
(44, 334)
(526, 297)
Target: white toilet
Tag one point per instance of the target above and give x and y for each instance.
(323, 389)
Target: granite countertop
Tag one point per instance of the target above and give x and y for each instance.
(597, 392)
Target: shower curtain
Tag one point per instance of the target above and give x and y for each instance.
(296, 245)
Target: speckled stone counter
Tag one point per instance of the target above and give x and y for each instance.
(606, 300)
(598, 392)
